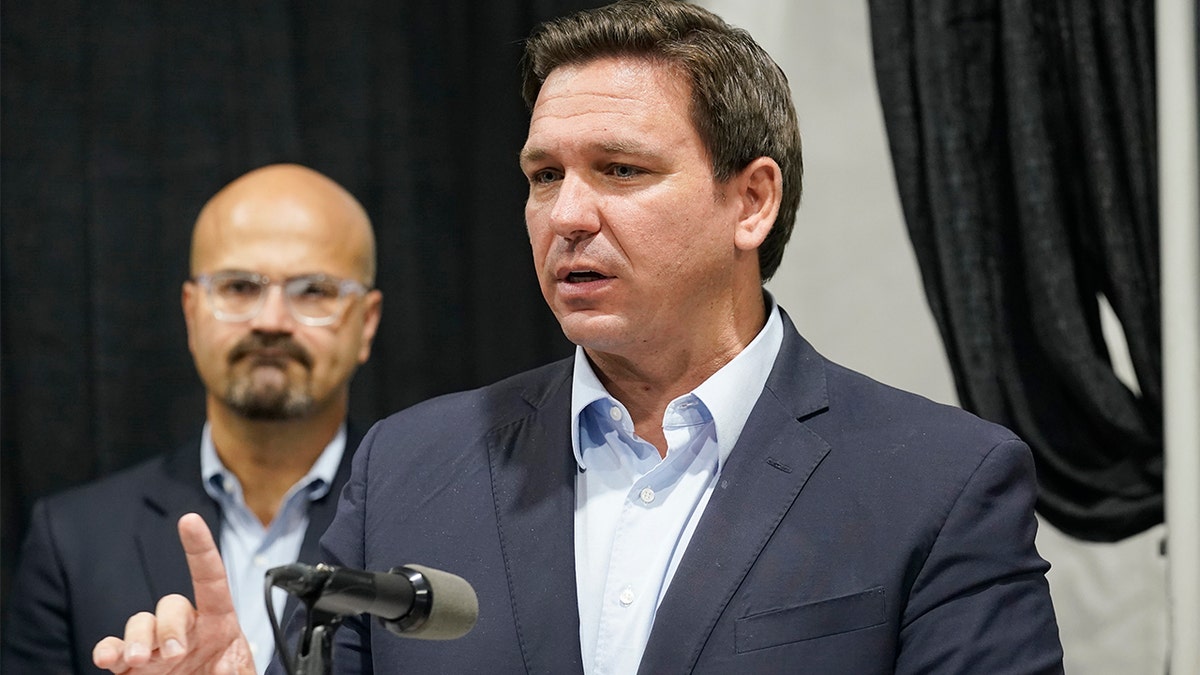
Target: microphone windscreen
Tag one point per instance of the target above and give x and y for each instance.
(454, 609)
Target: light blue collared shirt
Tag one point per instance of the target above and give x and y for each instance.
(635, 512)
(248, 549)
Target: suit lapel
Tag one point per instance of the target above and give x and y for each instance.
(321, 511)
(180, 490)
(768, 467)
(533, 482)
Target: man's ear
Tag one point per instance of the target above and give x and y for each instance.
(372, 311)
(760, 190)
(190, 300)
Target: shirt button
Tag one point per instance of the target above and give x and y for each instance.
(260, 560)
(647, 495)
(615, 413)
(626, 598)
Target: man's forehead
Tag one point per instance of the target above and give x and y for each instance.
(631, 75)
(287, 242)
(607, 106)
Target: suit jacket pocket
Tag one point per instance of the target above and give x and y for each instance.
(811, 620)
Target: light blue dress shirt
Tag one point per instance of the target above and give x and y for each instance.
(248, 549)
(636, 512)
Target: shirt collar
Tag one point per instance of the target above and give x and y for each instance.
(585, 390)
(729, 394)
(320, 476)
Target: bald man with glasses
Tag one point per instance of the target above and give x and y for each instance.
(280, 312)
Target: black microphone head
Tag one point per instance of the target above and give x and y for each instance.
(444, 607)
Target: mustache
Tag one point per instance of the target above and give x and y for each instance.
(259, 342)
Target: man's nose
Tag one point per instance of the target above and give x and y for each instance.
(275, 315)
(576, 211)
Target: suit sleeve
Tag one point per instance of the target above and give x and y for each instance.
(37, 634)
(980, 602)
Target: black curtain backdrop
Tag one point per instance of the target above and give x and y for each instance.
(1023, 137)
(121, 118)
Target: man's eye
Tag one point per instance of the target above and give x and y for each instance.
(238, 288)
(624, 171)
(543, 176)
(314, 290)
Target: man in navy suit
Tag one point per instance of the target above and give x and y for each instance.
(697, 490)
(279, 312)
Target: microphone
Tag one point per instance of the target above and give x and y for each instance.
(412, 601)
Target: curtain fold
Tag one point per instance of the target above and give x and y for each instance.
(120, 119)
(1023, 141)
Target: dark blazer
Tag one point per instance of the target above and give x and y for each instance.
(854, 529)
(98, 554)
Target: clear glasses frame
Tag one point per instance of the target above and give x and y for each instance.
(312, 299)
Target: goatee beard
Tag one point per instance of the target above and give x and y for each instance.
(268, 403)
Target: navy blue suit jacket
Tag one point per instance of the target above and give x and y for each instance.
(98, 554)
(854, 529)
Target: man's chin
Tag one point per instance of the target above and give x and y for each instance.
(270, 413)
(269, 406)
(601, 332)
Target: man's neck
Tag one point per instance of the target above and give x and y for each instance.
(646, 382)
(268, 457)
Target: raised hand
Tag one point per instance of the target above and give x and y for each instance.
(179, 638)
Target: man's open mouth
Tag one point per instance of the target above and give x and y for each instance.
(584, 276)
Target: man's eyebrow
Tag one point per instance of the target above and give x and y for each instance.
(533, 155)
(625, 148)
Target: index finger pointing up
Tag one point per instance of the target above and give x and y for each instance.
(209, 582)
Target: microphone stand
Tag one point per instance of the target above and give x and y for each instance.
(314, 657)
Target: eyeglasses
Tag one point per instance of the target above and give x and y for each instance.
(312, 299)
